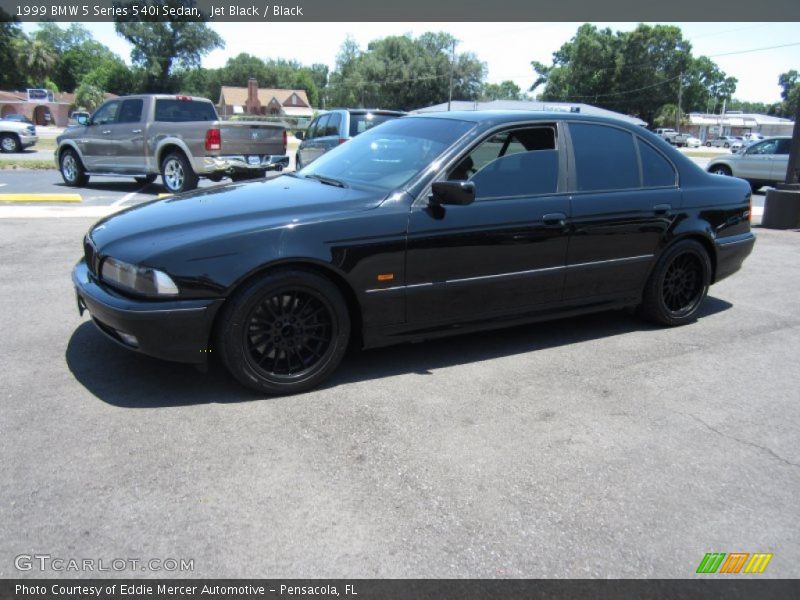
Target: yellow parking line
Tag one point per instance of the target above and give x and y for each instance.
(40, 197)
(164, 195)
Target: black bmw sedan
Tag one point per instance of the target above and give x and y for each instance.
(421, 227)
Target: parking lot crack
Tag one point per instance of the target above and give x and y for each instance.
(743, 441)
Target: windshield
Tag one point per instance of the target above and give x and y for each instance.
(389, 155)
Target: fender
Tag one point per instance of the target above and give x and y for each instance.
(74, 146)
(154, 159)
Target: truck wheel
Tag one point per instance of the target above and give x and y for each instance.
(72, 171)
(9, 143)
(177, 174)
(147, 180)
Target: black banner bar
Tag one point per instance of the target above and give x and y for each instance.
(406, 10)
(735, 587)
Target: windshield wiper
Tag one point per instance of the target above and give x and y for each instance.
(327, 180)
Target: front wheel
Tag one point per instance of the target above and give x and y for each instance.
(678, 285)
(177, 174)
(72, 171)
(9, 143)
(285, 332)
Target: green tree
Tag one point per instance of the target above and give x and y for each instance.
(635, 72)
(36, 59)
(790, 93)
(88, 96)
(11, 36)
(506, 90)
(161, 46)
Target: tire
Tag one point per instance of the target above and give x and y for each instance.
(721, 170)
(708, 144)
(72, 170)
(678, 285)
(284, 333)
(726, 145)
(9, 143)
(177, 174)
(146, 180)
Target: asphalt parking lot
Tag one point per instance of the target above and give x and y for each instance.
(591, 447)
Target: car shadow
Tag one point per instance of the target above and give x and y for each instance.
(121, 185)
(129, 380)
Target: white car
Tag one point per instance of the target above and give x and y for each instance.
(761, 163)
(15, 136)
(693, 142)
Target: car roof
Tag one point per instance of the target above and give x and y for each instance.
(358, 111)
(515, 116)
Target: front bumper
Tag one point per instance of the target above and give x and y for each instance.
(176, 330)
(731, 252)
(208, 165)
(28, 140)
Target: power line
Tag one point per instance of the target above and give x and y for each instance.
(754, 50)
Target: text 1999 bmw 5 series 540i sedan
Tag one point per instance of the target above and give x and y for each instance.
(422, 226)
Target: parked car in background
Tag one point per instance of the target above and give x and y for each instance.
(693, 142)
(762, 163)
(424, 226)
(16, 135)
(750, 138)
(726, 141)
(179, 137)
(17, 117)
(336, 127)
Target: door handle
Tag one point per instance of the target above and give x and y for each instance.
(136, 131)
(662, 209)
(555, 219)
(105, 131)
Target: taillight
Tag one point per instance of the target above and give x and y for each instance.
(183, 98)
(213, 139)
(285, 140)
(342, 140)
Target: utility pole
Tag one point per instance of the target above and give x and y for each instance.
(452, 68)
(793, 168)
(680, 99)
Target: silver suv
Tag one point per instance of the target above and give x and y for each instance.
(335, 127)
(761, 163)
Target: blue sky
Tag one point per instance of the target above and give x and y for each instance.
(507, 48)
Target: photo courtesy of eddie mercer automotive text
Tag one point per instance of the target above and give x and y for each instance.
(422, 226)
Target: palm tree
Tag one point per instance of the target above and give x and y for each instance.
(37, 60)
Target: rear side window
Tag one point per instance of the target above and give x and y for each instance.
(359, 123)
(605, 158)
(178, 111)
(657, 171)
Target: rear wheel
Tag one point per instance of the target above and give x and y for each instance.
(9, 143)
(177, 174)
(71, 167)
(678, 285)
(285, 332)
(721, 170)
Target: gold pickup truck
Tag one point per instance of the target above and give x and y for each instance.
(180, 138)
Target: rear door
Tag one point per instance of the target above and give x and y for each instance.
(625, 196)
(780, 161)
(503, 254)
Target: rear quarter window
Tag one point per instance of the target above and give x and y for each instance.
(179, 111)
(657, 171)
(605, 158)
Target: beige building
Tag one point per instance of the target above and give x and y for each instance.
(253, 100)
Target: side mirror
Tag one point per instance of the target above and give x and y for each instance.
(83, 120)
(452, 192)
(299, 135)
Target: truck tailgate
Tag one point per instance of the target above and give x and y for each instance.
(251, 138)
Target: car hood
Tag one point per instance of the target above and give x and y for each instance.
(224, 211)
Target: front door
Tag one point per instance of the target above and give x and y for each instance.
(503, 254)
(756, 162)
(97, 143)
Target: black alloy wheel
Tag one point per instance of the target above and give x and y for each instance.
(284, 333)
(678, 284)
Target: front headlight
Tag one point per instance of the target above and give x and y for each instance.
(140, 280)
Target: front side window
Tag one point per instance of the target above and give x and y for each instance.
(131, 111)
(768, 147)
(519, 162)
(605, 158)
(106, 114)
